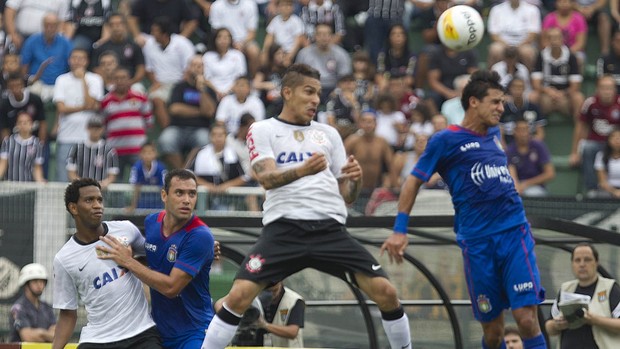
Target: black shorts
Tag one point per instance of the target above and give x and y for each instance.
(287, 246)
(145, 340)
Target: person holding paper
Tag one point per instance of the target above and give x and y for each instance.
(594, 324)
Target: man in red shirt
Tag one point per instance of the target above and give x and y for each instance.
(599, 116)
(127, 115)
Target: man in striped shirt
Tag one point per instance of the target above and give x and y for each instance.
(127, 115)
(21, 154)
(93, 158)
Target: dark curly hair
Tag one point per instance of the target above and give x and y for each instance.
(72, 192)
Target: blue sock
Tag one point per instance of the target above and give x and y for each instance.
(485, 346)
(537, 342)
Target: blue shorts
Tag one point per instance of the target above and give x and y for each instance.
(190, 341)
(501, 272)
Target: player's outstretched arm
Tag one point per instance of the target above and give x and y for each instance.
(396, 243)
(168, 285)
(270, 177)
(350, 181)
(64, 328)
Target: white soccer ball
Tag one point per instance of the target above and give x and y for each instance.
(460, 28)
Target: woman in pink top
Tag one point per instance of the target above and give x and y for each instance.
(573, 26)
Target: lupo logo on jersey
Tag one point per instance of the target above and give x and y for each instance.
(479, 173)
(523, 287)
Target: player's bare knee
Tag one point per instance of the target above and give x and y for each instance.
(240, 298)
(385, 295)
(528, 324)
(493, 334)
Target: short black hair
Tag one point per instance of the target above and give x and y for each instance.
(148, 144)
(164, 24)
(246, 119)
(479, 85)
(109, 53)
(80, 49)
(72, 192)
(180, 173)
(585, 244)
(296, 73)
(116, 14)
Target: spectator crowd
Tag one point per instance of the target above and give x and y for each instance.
(86, 84)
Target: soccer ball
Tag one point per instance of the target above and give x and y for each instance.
(460, 28)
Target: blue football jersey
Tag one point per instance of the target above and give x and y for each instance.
(475, 168)
(190, 250)
(139, 174)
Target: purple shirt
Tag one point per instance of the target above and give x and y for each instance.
(532, 163)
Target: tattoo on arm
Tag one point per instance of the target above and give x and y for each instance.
(271, 178)
(349, 189)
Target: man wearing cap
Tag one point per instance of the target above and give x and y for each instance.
(31, 319)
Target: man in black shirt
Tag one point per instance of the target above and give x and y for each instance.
(129, 54)
(191, 109)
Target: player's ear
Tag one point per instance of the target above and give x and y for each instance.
(72, 208)
(286, 92)
(473, 101)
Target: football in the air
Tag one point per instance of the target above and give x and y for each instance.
(460, 28)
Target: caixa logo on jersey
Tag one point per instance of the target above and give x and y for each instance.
(479, 173)
(286, 157)
(109, 276)
(523, 287)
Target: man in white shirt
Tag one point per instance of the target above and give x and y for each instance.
(117, 309)
(240, 17)
(23, 18)
(514, 23)
(166, 56)
(77, 95)
(309, 179)
(231, 107)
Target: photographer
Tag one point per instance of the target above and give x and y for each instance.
(275, 318)
(601, 328)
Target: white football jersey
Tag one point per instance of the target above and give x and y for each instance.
(115, 303)
(308, 198)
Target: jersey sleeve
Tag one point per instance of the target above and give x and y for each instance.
(196, 251)
(137, 241)
(297, 314)
(65, 292)
(4, 150)
(427, 164)
(338, 155)
(20, 318)
(258, 144)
